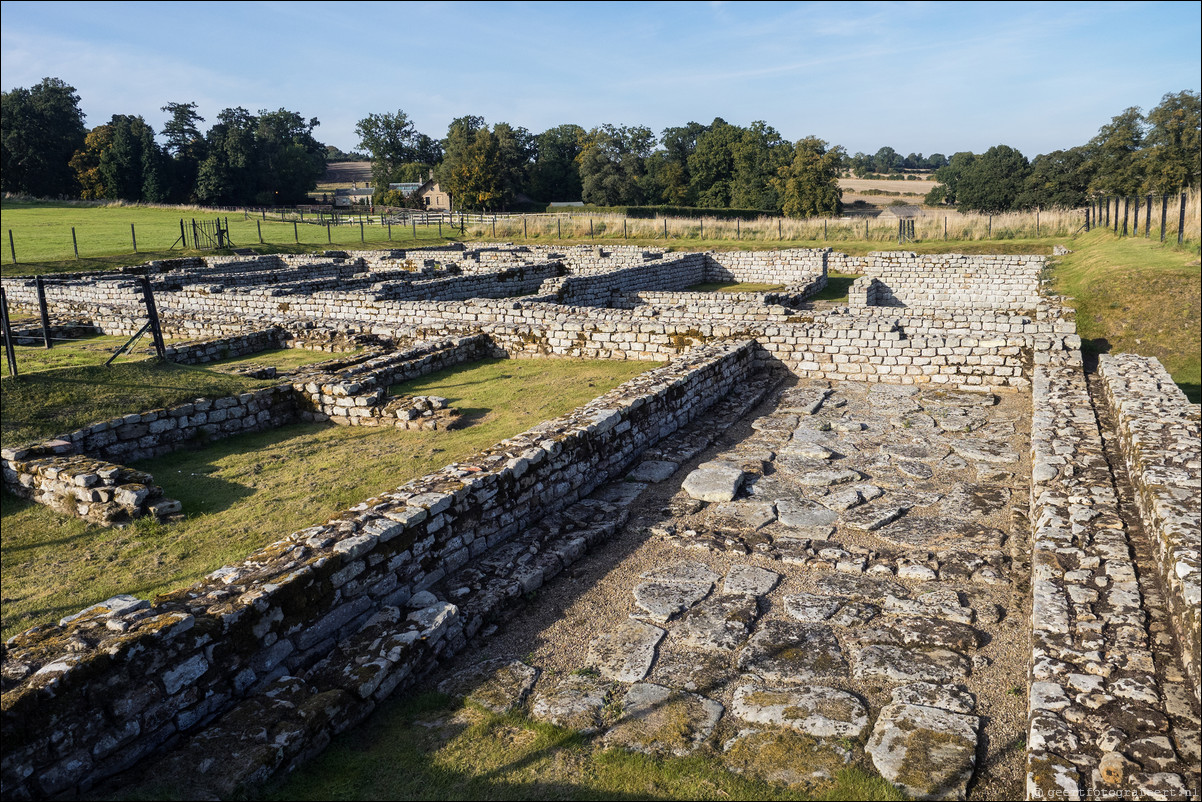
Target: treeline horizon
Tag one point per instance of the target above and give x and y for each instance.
(273, 158)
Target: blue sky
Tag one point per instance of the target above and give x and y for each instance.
(925, 77)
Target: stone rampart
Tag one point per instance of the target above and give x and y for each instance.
(1159, 433)
(124, 680)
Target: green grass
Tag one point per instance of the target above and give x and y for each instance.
(427, 747)
(837, 287)
(77, 353)
(41, 233)
(1136, 296)
(733, 286)
(284, 358)
(42, 404)
(243, 492)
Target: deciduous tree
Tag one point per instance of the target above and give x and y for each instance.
(41, 129)
(809, 185)
(1174, 143)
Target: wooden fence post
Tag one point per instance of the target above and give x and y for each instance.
(1036, 221)
(329, 236)
(295, 233)
(1087, 219)
(11, 247)
(1148, 218)
(1126, 209)
(74, 242)
(1164, 213)
(9, 353)
(945, 226)
(42, 311)
(1116, 214)
(361, 240)
(134, 236)
(1181, 221)
(153, 313)
(1135, 220)
(415, 229)
(390, 230)
(259, 228)
(989, 229)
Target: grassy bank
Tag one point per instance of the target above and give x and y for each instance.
(1136, 296)
(244, 492)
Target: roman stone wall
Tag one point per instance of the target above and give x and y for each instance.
(1092, 694)
(218, 348)
(357, 395)
(29, 332)
(97, 491)
(1159, 433)
(597, 287)
(798, 267)
(160, 431)
(125, 679)
(944, 280)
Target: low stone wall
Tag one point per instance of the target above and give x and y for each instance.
(160, 431)
(29, 332)
(798, 267)
(82, 487)
(944, 280)
(1093, 696)
(105, 689)
(1160, 437)
(358, 395)
(673, 272)
(218, 348)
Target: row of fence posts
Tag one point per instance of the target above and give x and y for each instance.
(152, 324)
(1097, 214)
(1099, 209)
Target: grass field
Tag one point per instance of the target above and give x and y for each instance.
(41, 234)
(243, 492)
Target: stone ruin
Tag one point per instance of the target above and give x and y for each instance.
(904, 530)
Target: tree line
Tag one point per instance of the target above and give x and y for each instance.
(273, 158)
(1133, 154)
(243, 159)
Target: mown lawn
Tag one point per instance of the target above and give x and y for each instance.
(243, 492)
(41, 233)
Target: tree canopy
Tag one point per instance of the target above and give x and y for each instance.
(42, 129)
